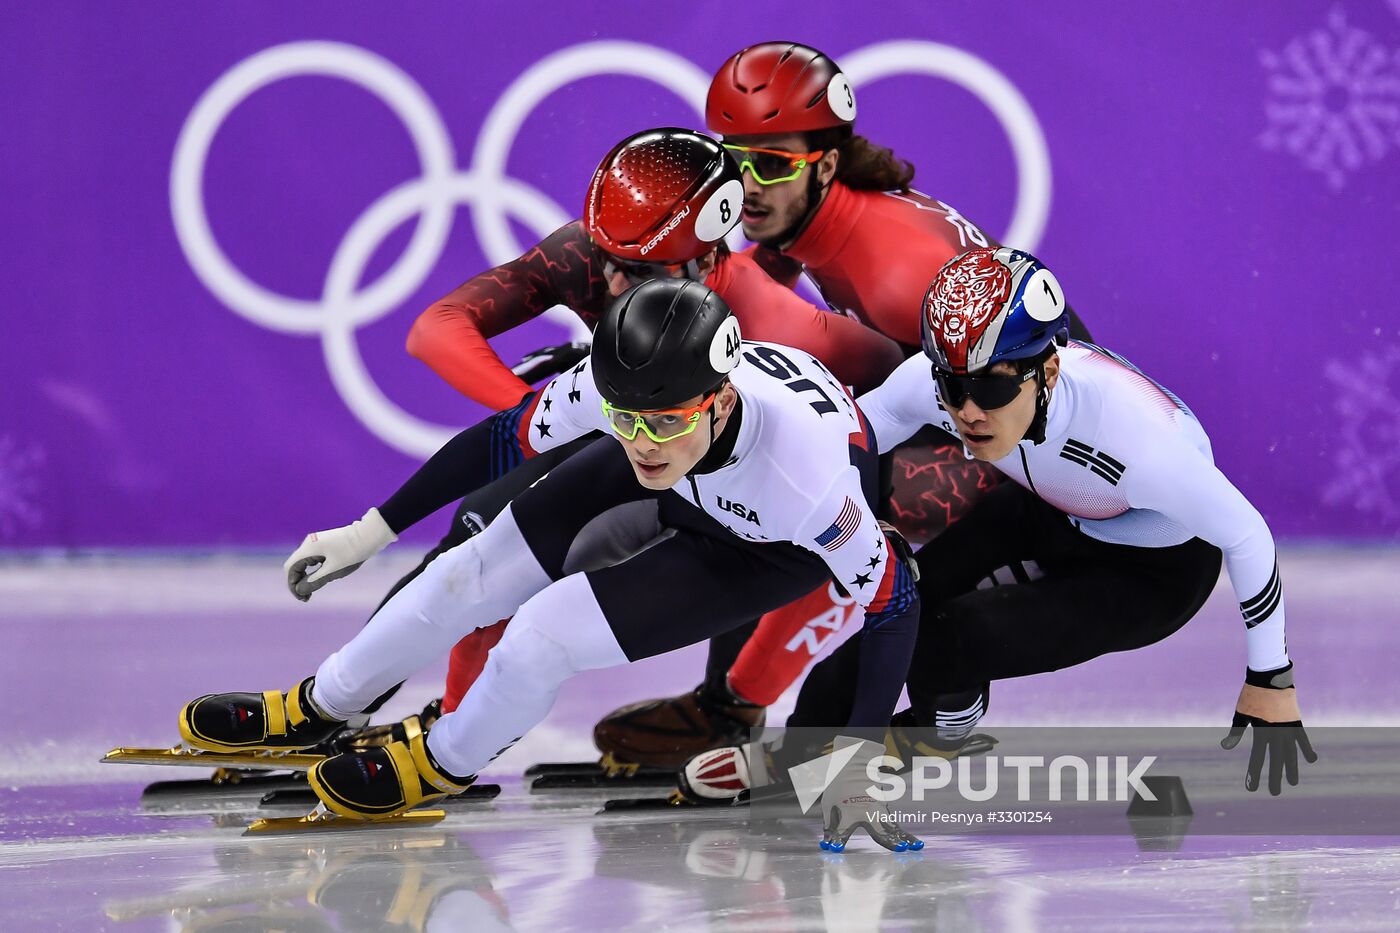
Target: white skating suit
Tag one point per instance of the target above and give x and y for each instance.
(781, 503)
(1129, 463)
(792, 475)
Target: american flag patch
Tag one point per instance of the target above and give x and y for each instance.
(841, 530)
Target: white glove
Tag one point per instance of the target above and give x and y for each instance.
(848, 806)
(329, 555)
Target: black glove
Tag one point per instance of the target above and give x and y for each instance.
(548, 362)
(1275, 737)
(902, 547)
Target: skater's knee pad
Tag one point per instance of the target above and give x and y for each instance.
(556, 634)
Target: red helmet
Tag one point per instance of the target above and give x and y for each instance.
(778, 87)
(663, 196)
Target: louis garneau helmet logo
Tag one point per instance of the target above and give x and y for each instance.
(1100, 778)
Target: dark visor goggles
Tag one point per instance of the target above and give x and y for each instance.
(639, 272)
(986, 392)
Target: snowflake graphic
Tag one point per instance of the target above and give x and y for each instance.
(1368, 455)
(18, 486)
(1335, 99)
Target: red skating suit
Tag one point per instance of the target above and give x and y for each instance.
(872, 255)
(566, 269)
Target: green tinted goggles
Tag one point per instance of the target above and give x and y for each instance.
(772, 166)
(663, 425)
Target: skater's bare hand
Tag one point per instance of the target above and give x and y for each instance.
(329, 555)
(1268, 704)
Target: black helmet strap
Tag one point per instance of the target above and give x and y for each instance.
(722, 447)
(1036, 432)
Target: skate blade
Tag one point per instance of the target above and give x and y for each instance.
(180, 755)
(676, 801)
(320, 820)
(304, 796)
(607, 766)
(224, 782)
(598, 780)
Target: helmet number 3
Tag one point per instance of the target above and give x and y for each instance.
(840, 98)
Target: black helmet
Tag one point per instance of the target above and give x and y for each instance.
(663, 343)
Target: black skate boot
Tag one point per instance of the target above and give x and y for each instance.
(256, 722)
(383, 781)
(907, 740)
(668, 732)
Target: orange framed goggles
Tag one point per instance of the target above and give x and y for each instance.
(639, 272)
(662, 425)
(772, 166)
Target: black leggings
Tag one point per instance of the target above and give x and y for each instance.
(1094, 598)
(693, 578)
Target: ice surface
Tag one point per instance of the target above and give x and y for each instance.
(98, 653)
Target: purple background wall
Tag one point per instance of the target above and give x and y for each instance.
(1223, 204)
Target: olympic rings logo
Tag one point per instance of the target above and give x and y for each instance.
(345, 304)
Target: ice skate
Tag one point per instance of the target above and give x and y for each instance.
(270, 722)
(907, 740)
(362, 740)
(269, 773)
(728, 774)
(244, 738)
(667, 732)
(724, 775)
(323, 820)
(384, 781)
(644, 743)
(229, 765)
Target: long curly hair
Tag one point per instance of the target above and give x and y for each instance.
(863, 165)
